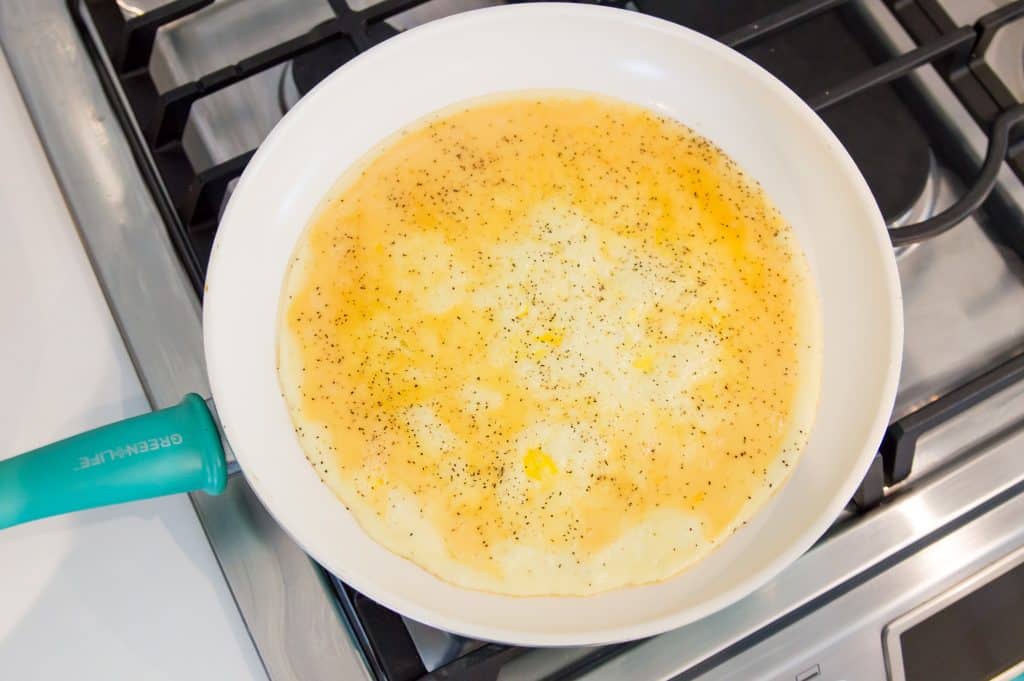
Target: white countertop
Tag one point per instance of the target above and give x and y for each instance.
(129, 592)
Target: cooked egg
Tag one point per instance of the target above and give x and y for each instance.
(550, 343)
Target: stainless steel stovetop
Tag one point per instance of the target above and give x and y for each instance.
(825, 617)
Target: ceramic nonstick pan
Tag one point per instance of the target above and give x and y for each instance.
(760, 123)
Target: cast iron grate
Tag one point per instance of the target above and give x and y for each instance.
(191, 200)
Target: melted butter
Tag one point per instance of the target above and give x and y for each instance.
(543, 318)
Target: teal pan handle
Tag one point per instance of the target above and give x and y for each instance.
(173, 450)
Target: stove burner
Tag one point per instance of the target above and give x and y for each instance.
(287, 91)
(922, 208)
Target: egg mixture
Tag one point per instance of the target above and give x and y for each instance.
(550, 344)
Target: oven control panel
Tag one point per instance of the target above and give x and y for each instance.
(952, 610)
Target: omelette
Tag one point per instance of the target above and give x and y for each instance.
(549, 343)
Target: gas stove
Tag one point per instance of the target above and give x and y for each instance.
(149, 112)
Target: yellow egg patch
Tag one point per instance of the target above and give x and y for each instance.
(538, 465)
(644, 362)
(551, 337)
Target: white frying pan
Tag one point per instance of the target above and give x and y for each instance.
(773, 135)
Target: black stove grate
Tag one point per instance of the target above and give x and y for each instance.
(854, 94)
(192, 199)
(980, 89)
